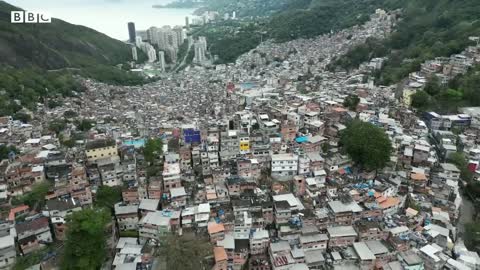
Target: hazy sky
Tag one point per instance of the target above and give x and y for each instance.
(108, 16)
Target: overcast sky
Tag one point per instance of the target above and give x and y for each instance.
(108, 16)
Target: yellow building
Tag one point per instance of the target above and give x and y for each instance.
(407, 96)
(99, 149)
(244, 145)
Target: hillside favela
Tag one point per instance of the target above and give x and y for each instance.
(239, 134)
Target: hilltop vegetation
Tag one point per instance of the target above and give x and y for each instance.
(290, 20)
(231, 39)
(25, 87)
(313, 18)
(427, 29)
(55, 45)
(463, 91)
(29, 51)
(430, 28)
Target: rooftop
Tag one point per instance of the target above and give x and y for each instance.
(341, 231)
(214, 227)
(122, 209)
(363, 251)
(149, 204)
(220, 254)
(100, 143)
(340, 207)
(293, 201)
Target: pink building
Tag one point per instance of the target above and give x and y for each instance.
(130, 196)
(288, 131)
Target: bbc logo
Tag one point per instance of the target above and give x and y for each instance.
(29, 17)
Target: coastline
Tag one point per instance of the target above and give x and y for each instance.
(197, 9)
(179, 6)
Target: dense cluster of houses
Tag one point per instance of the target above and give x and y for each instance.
(444, 69)
(271, 189)
(251, 162)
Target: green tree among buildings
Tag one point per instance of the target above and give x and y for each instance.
(153, 149)
(351, 102)
(185, 252)
(86, 240)
(367, 145)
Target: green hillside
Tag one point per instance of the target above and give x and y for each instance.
(428, 29)
(39, 60)
(56, 45)
(290, 19)
(317, 17)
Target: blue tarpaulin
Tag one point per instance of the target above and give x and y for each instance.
(301, 139)
(191, 136)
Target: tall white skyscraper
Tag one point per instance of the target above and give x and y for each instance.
(152, 54)
(161, 60)
(180, 34)
(152, 35)
(172, 53)
(134, 53)
(163, 39)
(160, 37)
(167, 40)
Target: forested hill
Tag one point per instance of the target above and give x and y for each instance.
(30, 52)
(55, 45)
(427, 29)
(290, 19)
(310, 18)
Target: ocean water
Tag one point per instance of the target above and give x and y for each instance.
(109, 16)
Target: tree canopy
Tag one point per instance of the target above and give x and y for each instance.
(21, 116)
(359, 54)
(472, 235)
(367, 145)
(351, 102)
(458, 158)
(427, 29)
(153, 148)
(462, 91)
(108, 196)
(84, 124)
(36, 198)
(57, 125)
(85, 245)
(176, 249)
(433, 87)
(420, 100)
(5, 150)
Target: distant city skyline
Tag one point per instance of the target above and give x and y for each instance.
(109, 16)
